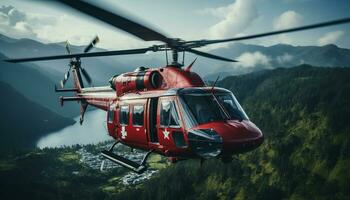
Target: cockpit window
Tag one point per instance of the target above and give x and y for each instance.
(232, 106)
(201, 108)
(204, 108)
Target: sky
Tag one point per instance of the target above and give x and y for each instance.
(50, 22)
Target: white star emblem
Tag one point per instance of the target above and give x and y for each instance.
(123, 132)
(166, 134)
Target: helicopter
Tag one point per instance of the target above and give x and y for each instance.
(167, 110)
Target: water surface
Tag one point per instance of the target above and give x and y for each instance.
(93, 130)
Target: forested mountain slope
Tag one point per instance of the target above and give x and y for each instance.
(28, 80)
(304, 113)
(23, 122)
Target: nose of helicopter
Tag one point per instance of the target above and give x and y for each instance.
(239, 136)
(225, 138)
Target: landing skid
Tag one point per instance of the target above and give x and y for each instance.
(129, 164)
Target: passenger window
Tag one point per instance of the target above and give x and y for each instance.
(168, 114)
(124, 115)
(137, 116)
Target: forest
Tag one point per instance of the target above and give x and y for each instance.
(304, 114)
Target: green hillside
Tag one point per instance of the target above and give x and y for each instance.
(23, 122)
(304, 114)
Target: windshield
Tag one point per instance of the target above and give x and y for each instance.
(232, 106)
(205, 108)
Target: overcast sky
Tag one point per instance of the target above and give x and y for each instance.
(195, 19)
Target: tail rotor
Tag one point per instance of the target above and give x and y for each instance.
(66, 75)
(77, 64)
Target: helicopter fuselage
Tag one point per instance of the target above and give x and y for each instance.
(170, 111)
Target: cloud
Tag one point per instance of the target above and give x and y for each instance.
(50, 28)
(285, 58)
(330, 38)
(15, 22)
(249, 59)
(236, 17)
(42, 27)
(4, 20)
(288, 19)
(220, 12)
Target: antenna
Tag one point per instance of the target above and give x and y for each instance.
(183, 58)
(166, 56)
(212, 89)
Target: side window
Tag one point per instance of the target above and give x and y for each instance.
(168, 114)
(124, 115)
(137, 115)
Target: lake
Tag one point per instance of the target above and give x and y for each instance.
(93, 130)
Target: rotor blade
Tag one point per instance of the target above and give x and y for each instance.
(118, 21)
(92, 44)
(81, 55)
(68, 47)
(200, 53)
(86, 76)
(301, 28)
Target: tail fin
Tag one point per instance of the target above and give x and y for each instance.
(77, 71)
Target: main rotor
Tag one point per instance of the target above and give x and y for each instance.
(173, 45)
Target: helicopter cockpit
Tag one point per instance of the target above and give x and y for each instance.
(203, 106)
(214, 121)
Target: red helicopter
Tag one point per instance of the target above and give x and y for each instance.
(167, 110)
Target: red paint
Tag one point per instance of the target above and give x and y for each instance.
(237, 136)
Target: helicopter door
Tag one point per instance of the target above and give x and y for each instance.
(134, 128)
(169, 123)
(138, 130)
(152, 120)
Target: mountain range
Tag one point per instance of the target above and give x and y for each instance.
(100, 68)
(251, 58)
(255, 58)
(35, 85)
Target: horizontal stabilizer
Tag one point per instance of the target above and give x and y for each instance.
(66, 90)
(63, 99)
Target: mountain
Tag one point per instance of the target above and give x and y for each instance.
(35, 85)
(36, 80)
(23, 122)
(255, 58)
(252, 58)
(101, 69)
(304, 114)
